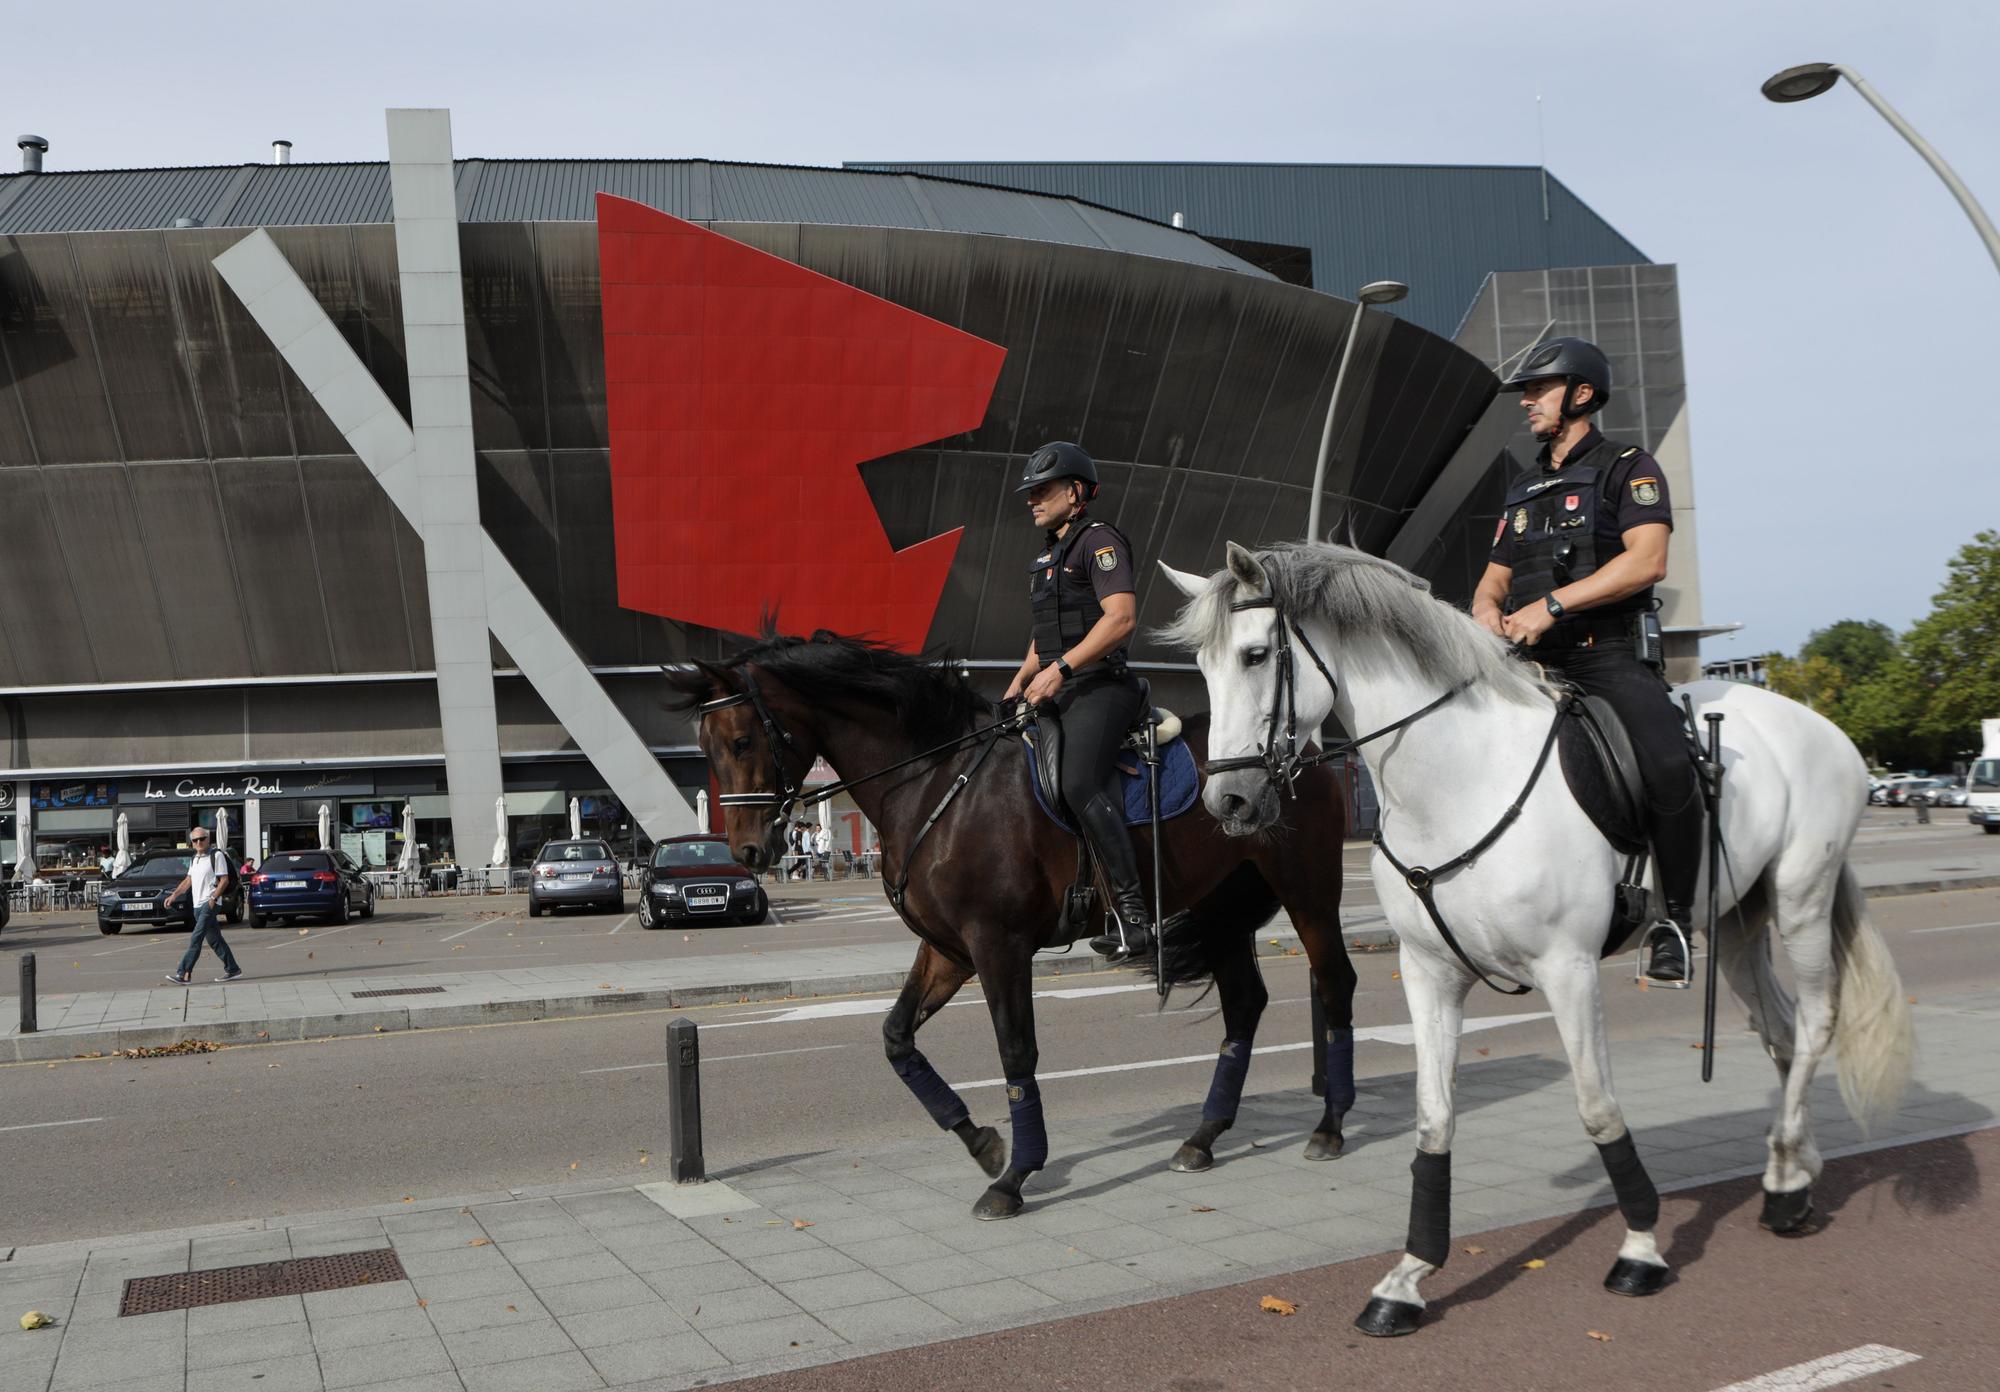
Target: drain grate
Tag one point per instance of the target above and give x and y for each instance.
(184, 1290)
(399, 991)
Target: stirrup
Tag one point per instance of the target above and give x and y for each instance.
(1116, 947)
(1645, 951)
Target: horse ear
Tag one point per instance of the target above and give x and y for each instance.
(1190, 586)
(720, 679)
(1248, 571)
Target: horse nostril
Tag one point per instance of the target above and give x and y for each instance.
(1234, 805)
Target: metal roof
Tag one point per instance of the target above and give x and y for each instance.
(1439, 228)
(300, 195)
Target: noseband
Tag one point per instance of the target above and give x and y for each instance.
(776, 739)
(1282, 765)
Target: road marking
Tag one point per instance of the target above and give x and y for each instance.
(1382, 1034)
(1953, 928)
(109, 950)
(621, 923)
(313, 933)
(877, 1005)
(38, 1125)
(1830, 1371)
(712, 1058)
(473, 929)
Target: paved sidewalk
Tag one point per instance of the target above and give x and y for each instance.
(250, 1011)
(810, 1259)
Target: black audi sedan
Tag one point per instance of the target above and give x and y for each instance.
(134, 897)
(695, 880)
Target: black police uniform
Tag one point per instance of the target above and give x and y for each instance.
(1560, 525)
(1098, 703)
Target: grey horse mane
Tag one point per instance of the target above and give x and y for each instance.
(1365, 598)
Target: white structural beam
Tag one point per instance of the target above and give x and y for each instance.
(375, 430)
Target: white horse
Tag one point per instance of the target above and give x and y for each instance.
(1533, 907)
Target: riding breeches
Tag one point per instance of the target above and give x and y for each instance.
(1097, 712)
(1673, 791)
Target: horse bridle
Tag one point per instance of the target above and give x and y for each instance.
(776, 739)
(1282, 767)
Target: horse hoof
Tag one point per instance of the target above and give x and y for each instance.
(1325, 1145)
(1630, 1277)
(989, 1150)
(997, 1203)
(1787, 1215)
(1385, 1319)
(1191, 1159)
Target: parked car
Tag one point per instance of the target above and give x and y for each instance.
(1945, 792)
(309, 884)
(575, 872)
(134, 897)
(696, 879)
(1902, 790)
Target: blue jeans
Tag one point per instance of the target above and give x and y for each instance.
(207, 930)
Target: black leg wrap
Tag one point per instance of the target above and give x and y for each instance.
(1638, 1200)
(1788, 1215)
(1430, 1208)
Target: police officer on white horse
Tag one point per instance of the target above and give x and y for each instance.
(1085, 611)
(1581, 542)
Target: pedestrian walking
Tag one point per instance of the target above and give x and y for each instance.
(823, 850)
(207, 877)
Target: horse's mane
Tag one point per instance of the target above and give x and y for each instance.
(929, 697)
(1365, 597)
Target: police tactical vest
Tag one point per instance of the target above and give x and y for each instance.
(1555, 520)
(1064, 600)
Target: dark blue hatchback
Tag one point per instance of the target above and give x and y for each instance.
(309, 884)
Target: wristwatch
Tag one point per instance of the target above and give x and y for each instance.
(1062, 665)
(1556, 609)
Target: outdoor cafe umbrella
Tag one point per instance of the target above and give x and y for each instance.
(499, 860)
(222, 829)
(701, 808)
(24, 863)
(575, 820)
(325, 827)
(123, 861)
(408, 864)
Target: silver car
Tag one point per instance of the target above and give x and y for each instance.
(582, 873)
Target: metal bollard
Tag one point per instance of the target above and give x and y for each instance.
(28, 1022)
(684, 1162)
(1318, 1036)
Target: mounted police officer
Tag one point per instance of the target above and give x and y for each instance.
(1581, 542)
(1085, 610)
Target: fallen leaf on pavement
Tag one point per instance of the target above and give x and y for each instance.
(1395, 976)
(1484, 1052)
(1533, 1264)
(304, 931)
(35, 1319)
(645, 1159)
(480, 1242)
(422, 1303)
(1277, 1306)
(800, 1223)
(1258, 1145)
(1475, 1251)
(1598, 1335)
(1201, 1208)
(572, 1164)
(1695, 1045)
(512, 1311)
(309, 956)
(409, 1198)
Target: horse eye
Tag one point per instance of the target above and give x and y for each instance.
(740, 745)
(1254, 657)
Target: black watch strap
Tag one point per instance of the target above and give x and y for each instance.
(1062, 665)
(1556, 609)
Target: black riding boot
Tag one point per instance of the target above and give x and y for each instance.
(1104, 824)
(1677, 847)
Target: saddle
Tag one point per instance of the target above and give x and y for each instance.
(1180, 784)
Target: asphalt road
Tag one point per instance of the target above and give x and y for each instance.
(413, 937)
(92, 1148)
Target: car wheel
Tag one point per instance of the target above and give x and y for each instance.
(646, 911)
(258, 920)
(368, 905)
(534, 907)
(339, 914)
(112, 930)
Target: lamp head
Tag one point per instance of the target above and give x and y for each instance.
(1381, 292)
(1802, 83)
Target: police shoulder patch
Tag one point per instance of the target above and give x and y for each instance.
(1520, 521)
(1645, 491)
(1107, 557)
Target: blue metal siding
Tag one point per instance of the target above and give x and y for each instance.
(1439, 228)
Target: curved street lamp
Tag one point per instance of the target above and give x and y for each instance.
(1375, 292)
(1808, 80)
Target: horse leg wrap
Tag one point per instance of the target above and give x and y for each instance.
(1225, 1090)
(1031, 1137)
(1638, 1200)
(1339, 1069)
(944, 1105)
(1430, 1208)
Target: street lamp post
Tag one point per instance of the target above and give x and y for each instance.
(1808, 80)
(1376, 292)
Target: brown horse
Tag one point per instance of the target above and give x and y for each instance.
(979, 873)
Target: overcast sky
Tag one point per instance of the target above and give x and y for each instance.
(1840, 312)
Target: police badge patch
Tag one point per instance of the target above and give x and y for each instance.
(1645, 491)
(1520, 521)
(1107, 557)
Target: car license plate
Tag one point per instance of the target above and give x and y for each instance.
(291, 884)
(138, 907)
(707, 901)
(582, 875)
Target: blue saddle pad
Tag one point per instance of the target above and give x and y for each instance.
(1179, 783)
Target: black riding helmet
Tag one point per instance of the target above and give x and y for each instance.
(1059, 459)
(1574, 360)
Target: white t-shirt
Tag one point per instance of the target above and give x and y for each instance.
(823, 840)
(202, 876)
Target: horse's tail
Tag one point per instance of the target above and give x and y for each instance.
(1871, 1026)
(1191, 940)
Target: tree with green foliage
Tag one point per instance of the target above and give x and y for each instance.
(1858, 648)
(1809, 679)
(1956, 647)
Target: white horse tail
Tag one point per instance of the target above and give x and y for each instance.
(1871, 1014)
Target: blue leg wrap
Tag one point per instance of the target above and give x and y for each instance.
(1339, 1069)
(1031, 1137)
(944, 1105)
(1225, 1090)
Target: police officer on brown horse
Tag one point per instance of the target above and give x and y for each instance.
(1085, 611)
(1581, 542)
